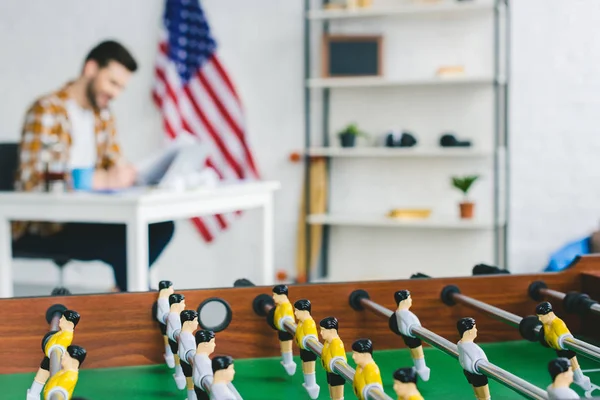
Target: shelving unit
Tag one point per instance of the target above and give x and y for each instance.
(404, 10)
(490, 159)
(375, 152)
(383, 82)
(382, 221)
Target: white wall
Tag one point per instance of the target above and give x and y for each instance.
(555, 138)
(553, 194)
(43, 44)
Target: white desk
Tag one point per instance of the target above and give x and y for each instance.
(135, 209)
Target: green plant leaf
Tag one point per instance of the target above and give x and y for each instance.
(352, 129)
(464, 183)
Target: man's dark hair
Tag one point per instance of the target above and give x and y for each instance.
(302, 305)
(406, 375)
(363, 346)
(204, 336)
(187, 315)
(77, 352)
(111, 50)
(465, 324)
(176, 298)
(72, 316)
(558, 366)
(543, 308)
(401, 295)
(280, 289)
(164, 285)
(221, 362)
(329, 323)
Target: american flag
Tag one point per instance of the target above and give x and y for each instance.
(195, 95)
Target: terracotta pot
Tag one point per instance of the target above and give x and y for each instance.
(467, 210)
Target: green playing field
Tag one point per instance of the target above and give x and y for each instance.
(265, 379)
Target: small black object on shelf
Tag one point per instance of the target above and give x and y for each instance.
(483, 269)
(419, 275)
(450, 140)
(406, 139)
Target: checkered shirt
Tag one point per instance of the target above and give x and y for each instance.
(46, 139)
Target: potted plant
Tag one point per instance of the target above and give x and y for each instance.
(464, 185)
(348, 135)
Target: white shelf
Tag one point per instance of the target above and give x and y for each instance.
(402, 10)
(382, 81)
(366, 220)
(410, 152)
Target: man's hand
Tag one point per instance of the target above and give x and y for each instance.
(118, 177)
(121, 176)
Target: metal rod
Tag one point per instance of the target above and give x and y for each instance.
(56, 354)
(595, 308)
(340, 367)
(578, 346)
(514, 382)
(498, 374)
(585, 349)
(552, 293)
(494, 312)
(55, 358)
(436, 341)
(57, 396)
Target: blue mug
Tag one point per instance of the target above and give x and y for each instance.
(82, 178)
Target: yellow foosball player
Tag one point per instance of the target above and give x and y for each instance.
(60, 340)
(333, 350)
(284, 311)
(367, 372)
(555, 332)
(306, 329)
(64, 381)
(405, 384)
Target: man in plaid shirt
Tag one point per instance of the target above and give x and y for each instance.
(73, 128)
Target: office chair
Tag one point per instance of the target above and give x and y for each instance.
(9, 161)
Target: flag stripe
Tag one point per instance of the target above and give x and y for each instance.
(195, 94)
(232, 125)
(213, 134)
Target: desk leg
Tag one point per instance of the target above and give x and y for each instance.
(6, 277)
(137, 256)
(268, 267)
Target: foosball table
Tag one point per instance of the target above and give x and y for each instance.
(493, 336)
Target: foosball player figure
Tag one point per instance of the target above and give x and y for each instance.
(223, 373)
(405, 384)
(205, 346)
(307, 328)
(401, 323)
(65, 380)
(283, 311)
(367, 373)
(555, 332)
(562, 376)
(186, 345)
(177, 305)
(333, 350)
(60, 339)
(469, 354)
(165, 289)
